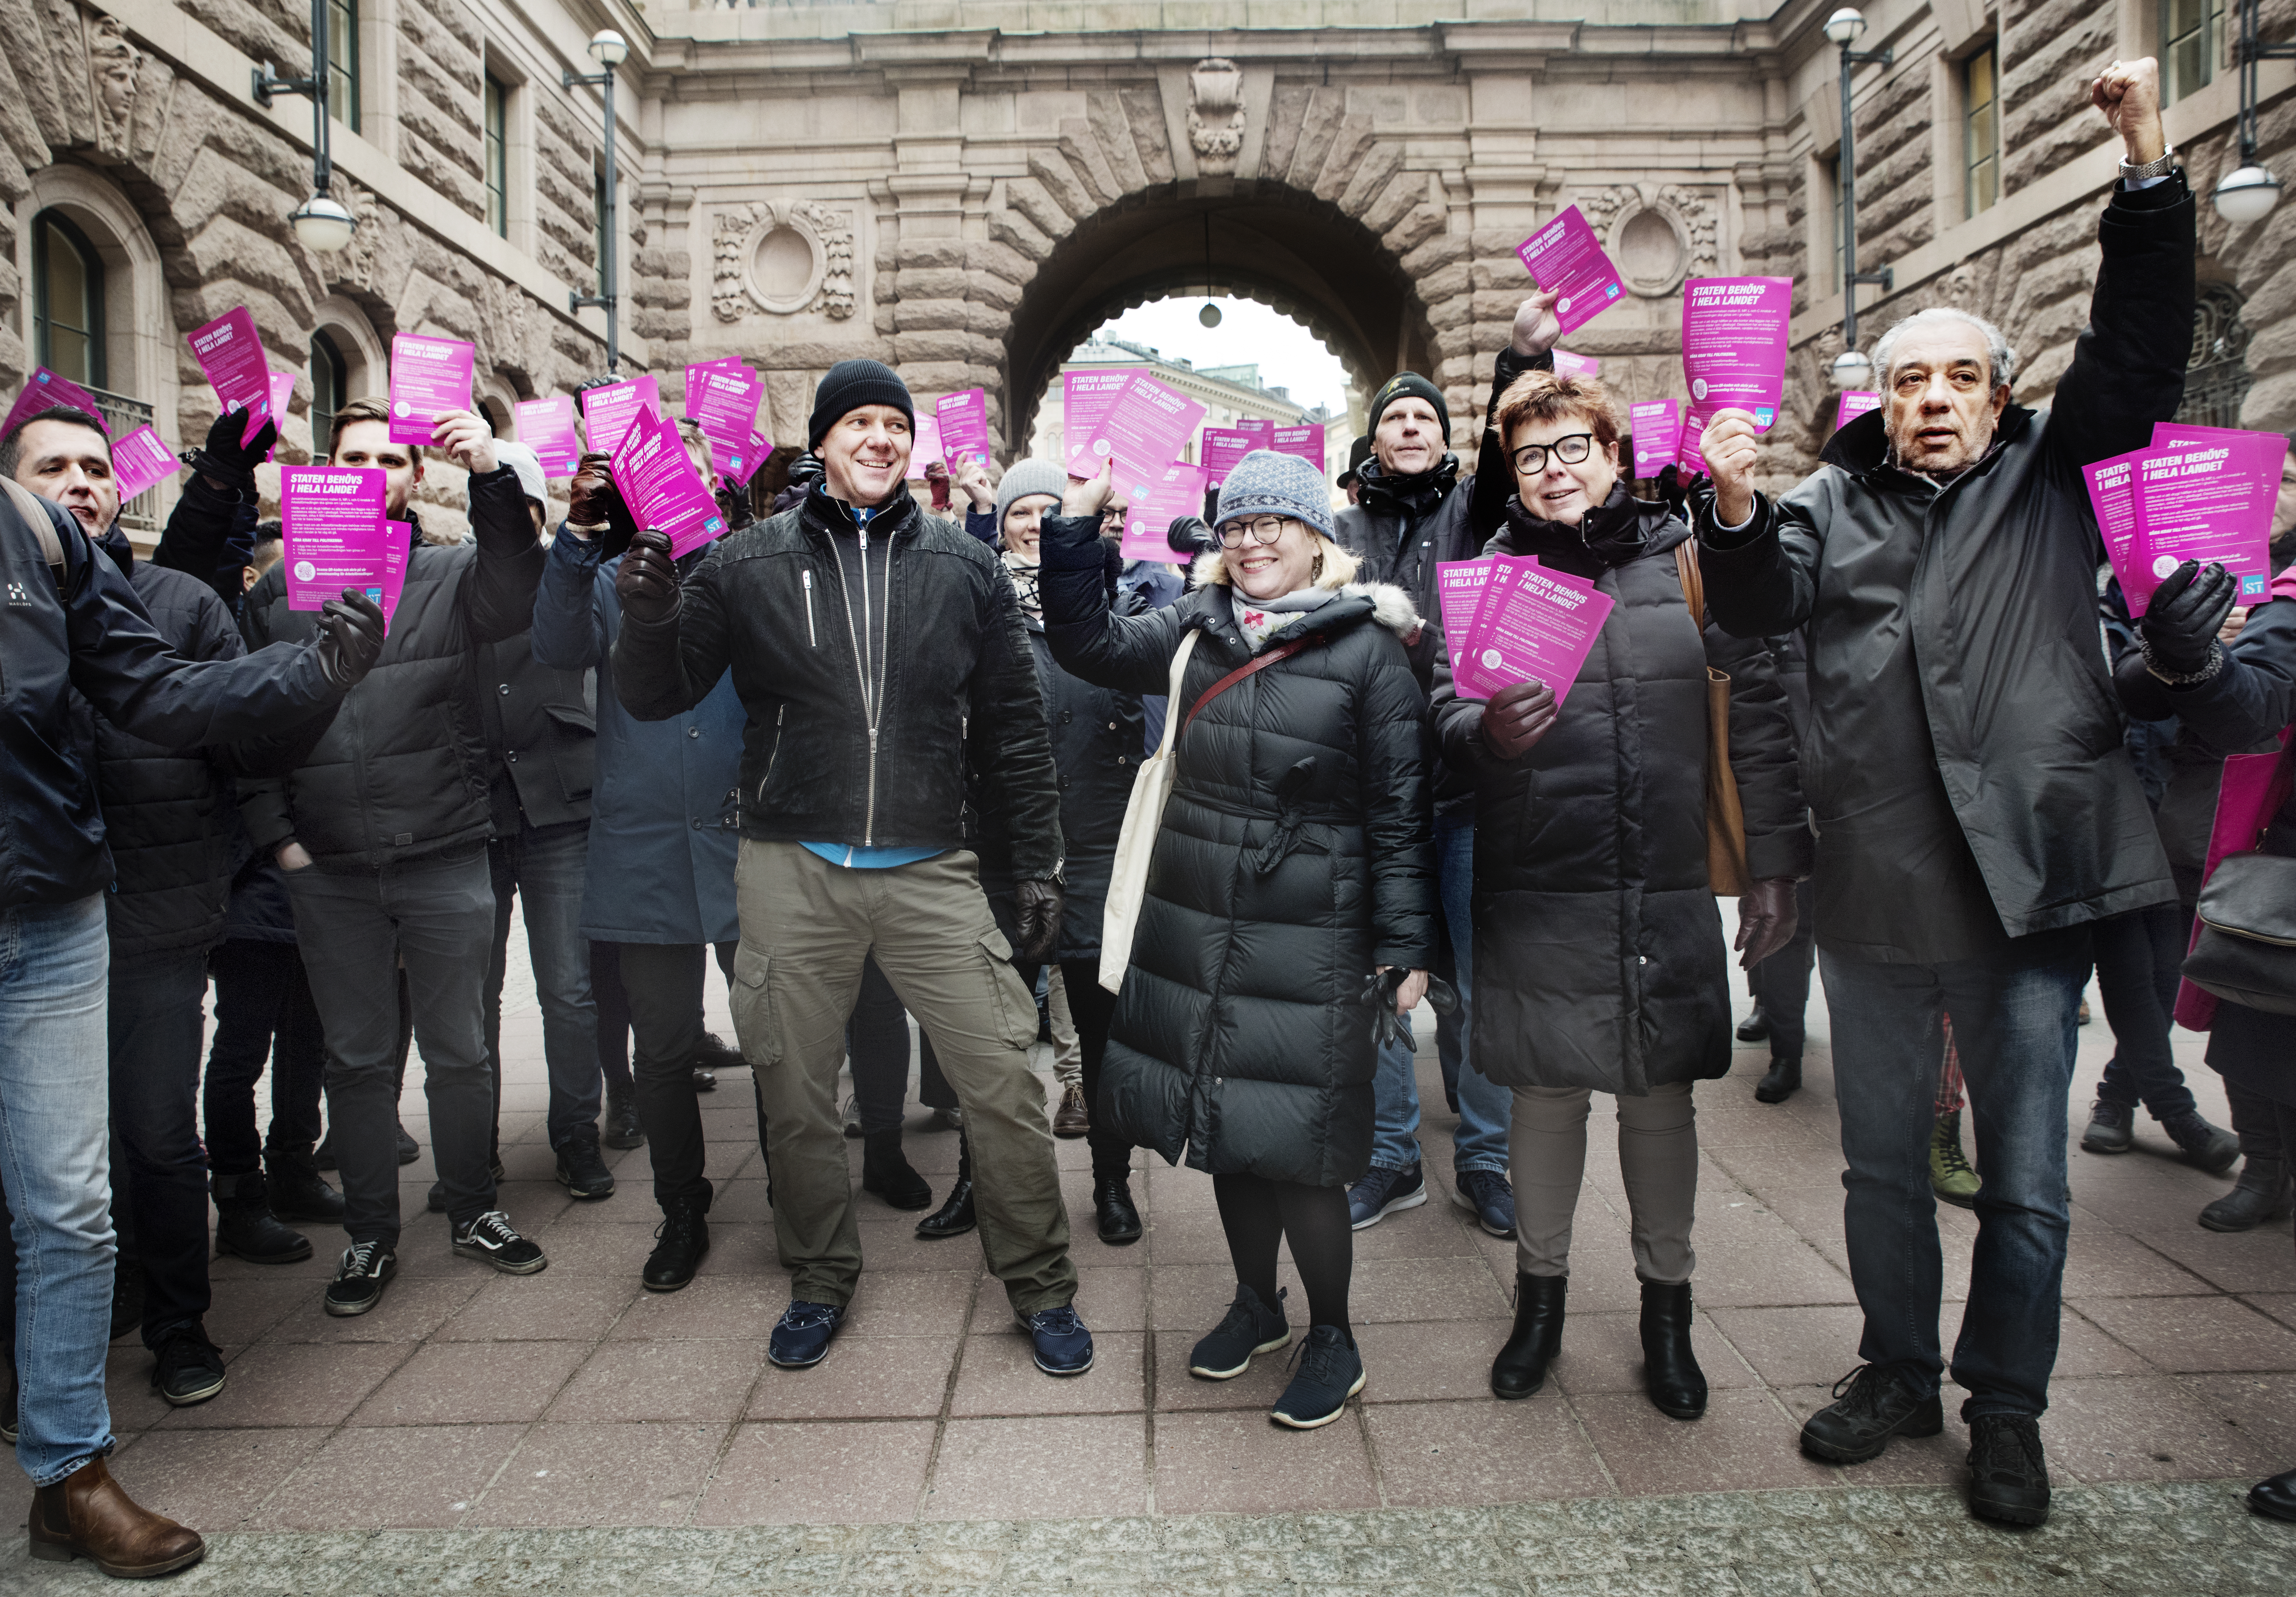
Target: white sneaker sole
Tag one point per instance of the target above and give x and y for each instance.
(1280, 1342)
(1464, 1202)
(1319, 1420)
(1392, 1206)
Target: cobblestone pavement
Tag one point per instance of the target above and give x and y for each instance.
(492, 1428)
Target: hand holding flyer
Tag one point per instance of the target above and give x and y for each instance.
(660, 486)
(231, 355)
(428, 377)
(1149, 515)
(1656, 425)
(139, 460)
(2210, 500)
(963, 421)
(609, 412)
(1144, 430)
(1538, 626)
(721, 399)
(1566, 259)
(1085, 399)
(2113, 496)
(334, 535)
(1734, 343)
(546, 427)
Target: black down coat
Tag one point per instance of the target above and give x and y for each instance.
(1296, 855)
(1599, 956)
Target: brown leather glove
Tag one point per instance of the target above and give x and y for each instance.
(350, 638)
(592, 499)
(1766, 919)
(646, 584)
(1035, 918)
(1517, 717)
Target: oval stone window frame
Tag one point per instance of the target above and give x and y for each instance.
(1646, 285)
(778, 220)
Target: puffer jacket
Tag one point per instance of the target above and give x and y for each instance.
(1600, 960)
(1296, 856)
(401, 775)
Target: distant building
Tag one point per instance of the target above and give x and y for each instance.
(1229, 393)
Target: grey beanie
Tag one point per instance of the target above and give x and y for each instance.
(1267, 483)
(522, 459)
(1028, 477)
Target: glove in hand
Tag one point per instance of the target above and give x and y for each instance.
(1035, 919)
(591, 498)
(350, 638)
(1517, 717)
(223, 459)
(646, 584)
(2187, 611)
(1766, 919)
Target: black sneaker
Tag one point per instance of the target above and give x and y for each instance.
(2110, 1128)
(366, 1269)
(1249, 1328)
(491, 1240)
(1382, 1191)
(188, 1367)
(1870, 1406)
(580, 1171)
(2211, 1147)
(622, 1129)
(2008, 1477)
(1331, 1372)
(409, 1150)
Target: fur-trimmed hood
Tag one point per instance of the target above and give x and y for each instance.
(1391, 606)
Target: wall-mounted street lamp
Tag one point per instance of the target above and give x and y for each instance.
(2249, 190)
(609, 49)
(1851, 368)
(320, 222)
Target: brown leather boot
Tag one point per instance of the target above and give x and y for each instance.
(86, 1515)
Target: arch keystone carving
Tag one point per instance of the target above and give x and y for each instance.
(1215, 116)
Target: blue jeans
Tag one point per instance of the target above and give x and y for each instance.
(2013, 1020)
(548, 865)
(1485, 1108)
(56, 1111)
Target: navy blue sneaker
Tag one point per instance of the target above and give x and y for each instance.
(1063, 1346)
(1331, 1372)
(1380, 1192)
(1486, 1195)
(1251, 1327)
(800, 1337)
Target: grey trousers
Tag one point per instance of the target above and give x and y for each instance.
(1658, 1155)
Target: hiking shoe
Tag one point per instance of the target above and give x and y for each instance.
(1072, 1120)
(623, 1128)
(366, 1269)
(492, 1240)
(580, 1171)
(1114, 1215)
(801, 1336)
(680, 1241)
(1950, 1176)
(189, 1368)
(1063, 1346)
(1486, 1195)
(409, 1150)
(1382, 1191)
(1870, 1406)
(1330, 1373)
(2008, 1478)
(1249, 1328)
(2112, 1128)
(2211, 1147)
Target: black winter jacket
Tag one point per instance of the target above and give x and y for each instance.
(1600, 960)
(540, 727)
(1295, 857)
(1964, 765)
(401, 775)
(947, 660)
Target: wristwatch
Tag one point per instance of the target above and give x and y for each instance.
(2160, 167)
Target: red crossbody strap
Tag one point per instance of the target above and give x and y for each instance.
(1259, 664)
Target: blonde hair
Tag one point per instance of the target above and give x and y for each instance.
(1335, 567)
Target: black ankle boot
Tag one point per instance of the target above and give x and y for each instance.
(1782, 1082)
(299, 1195)
(244, 1228)
(1113, 1212)
(1670, 1372)
(2260, 1195)
(885, 1171)
(1520, 1368)
(680, 1241)
(954, 1217)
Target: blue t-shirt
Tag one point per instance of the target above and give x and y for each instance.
(869, 859)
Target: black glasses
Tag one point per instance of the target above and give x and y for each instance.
(1266, 529)
(1571, 449)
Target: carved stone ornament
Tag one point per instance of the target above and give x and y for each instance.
(781, 256)
(1657, 237)
(1215, 116)
(111, 65)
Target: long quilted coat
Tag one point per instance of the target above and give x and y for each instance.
(1296, 855)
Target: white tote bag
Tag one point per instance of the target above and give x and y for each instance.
(1144, 815)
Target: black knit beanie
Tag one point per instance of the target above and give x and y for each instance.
(1407, 385)
(851, 384)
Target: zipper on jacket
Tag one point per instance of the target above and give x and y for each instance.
(773, 753)
(812, 641)
(872, 703)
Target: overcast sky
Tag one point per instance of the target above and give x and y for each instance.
(1249, 334)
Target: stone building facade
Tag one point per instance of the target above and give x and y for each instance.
(967, 188)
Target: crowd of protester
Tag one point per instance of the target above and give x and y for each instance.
(874, 761)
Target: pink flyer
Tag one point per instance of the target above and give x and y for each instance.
(1144, 429)
(1565, 258)
(737, 466)
(660, 486)
(1085, 397)
(2210, 500)
(1567, 364)
(924, 447)
(963, 421)
(232, 357)
(140, 459)
(607, 412)
(1306, 441)
(1261, 432)
(1853, 405)
(1656, 425)
(546, 427)
(2113, 496)
(1148, 515)
(282, 389)
(44, 389)
(1501, 576)
(1693, 463)
(1459, 586)
(722, 400)
(1220, 448)
(330, 523)
(1540, 627)
(428, 377)
(1734, 343)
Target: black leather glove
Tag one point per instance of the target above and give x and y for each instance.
(1188, 536)
(592, 500)
(646, 584)
(1035, 918)
(1517, 717)
(227, 462)
(2179, 629)
(350, 638)
(1766, 919)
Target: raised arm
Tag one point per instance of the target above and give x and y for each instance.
(673, 644)
(1530, 347)
(569, 633)
(214, 518)
(1761, 576)
(499, 586)
(1130, 654)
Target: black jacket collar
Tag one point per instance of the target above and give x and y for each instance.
(1415, 495)
(1862, 448)
(1620, 529)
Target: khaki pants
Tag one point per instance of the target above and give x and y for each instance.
(807, 926)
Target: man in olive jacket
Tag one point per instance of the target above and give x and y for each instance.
(1974, 808)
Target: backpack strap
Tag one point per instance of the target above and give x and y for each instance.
(34, 511)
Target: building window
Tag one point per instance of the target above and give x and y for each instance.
(343, 62)
(330, 379)
(2192, 39)
(2216, 373)
(497, 118)
(605, 243)
(66, 301)
(1981, 120)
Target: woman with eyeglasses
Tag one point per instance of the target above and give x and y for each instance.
(1599, 962)
(1295, 860)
